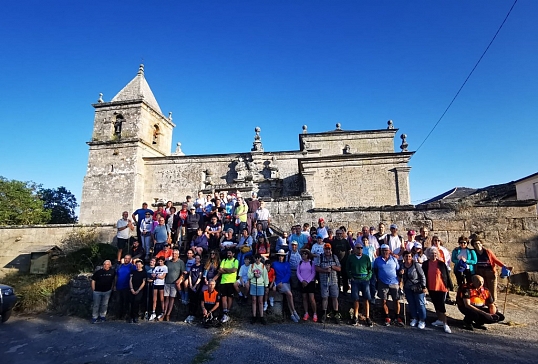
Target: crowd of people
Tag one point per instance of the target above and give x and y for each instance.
(227, 255)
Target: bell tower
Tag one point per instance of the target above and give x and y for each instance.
(125, 130)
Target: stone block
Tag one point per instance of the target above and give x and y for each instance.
(454, 235)
(531, 248)
(439, 214)
(517, 211)
(482, 224)
(448, 224)
(530, 223)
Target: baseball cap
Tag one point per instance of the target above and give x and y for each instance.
(417, 245)
(327, 246)
(384, 246)
(393, 226)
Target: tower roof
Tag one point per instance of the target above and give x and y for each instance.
(137, 89)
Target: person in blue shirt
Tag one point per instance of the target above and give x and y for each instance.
(282, 282)
(123, 277)
(386, 269)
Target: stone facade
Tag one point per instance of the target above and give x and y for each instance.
(130, 162)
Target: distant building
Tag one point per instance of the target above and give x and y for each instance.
(527, 187)
(130, 162)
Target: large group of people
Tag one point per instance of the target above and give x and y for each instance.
(216, 248)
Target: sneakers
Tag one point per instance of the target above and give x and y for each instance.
(265, 306)
(413, 323)
(152, 317)
(102, 319)
(293, 318)
(271, 301)
(438, 323)
(306, 317)
(369, 322)
(447, 329)
(421, 325)
(315, 318)
(387, 321)
(399, 322)
(354, 321)
(338, 318)
(160, 317)
(94, 320)
(296, 316)
(189, 319)
(225, 318)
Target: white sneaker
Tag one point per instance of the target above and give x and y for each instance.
(271, 301)
(152, 317)
(438, 323)
(413, 323)
(447, 329)
(225, 318)
(265, 306)
(421, 325)
(160, 317)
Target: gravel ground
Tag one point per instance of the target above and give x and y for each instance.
(53, 339)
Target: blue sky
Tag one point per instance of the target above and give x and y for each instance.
(224, 67)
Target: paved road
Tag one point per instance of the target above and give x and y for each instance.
(51, 339)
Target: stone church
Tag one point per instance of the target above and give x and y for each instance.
(131, 161)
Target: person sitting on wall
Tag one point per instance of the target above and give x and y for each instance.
(476, 304)
(137, 251)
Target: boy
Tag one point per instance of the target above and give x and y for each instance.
(242, 285)
(271, 289)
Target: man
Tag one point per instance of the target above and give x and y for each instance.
(210, 304)
(424, 238)
(193, 223)
(322, 228)
(476, 304)
(214, 231)
(137, 251)
(263, 216)
(294, 258)
(241, 215)
(161, 236)
(380, 235)
(327, 267)
(386, 268)
(299, 237)
(122, 285)
(200, 204)
(124, 227)
(166, 253)
(359, 269)
(228, 271)
(253, 206)
(172, 282)
(138, 216)
(227, 242)
(102, 283)
(395, 243)
(340, 248)
(181, 227)
(372, 240)
(370, 251)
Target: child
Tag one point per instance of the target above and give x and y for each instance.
(242, 285)
(271, 289)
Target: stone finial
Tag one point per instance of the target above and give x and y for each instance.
(338, 126)
(178, 149)
(404, 145)
(257, 144)
(208, 178)
(141, 69)
(170, 115)
(305, 129)
(100, 98)
(390, 124)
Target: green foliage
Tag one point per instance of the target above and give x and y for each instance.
(20, 203)
(61, 203)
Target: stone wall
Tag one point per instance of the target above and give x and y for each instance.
(18, 242)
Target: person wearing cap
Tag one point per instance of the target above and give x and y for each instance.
(318, 248)
(486, 266)
(282, 242)
(322, 229)
(341, 249)
(386, 269)
(306, 274)
(438, 283)
(192, 223)
(146, 229)
(299, 237)
(138, 216)
(328, 267)
(476, 304)
(359, 269)
(395, 242)
(418, 253)
(294, 258)
(282, 282)
(409, 244)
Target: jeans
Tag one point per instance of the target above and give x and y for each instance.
(125, 300)
(146, 242)
(100, 304)
(416, 303)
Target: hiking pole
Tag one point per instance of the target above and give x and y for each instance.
(506, 294)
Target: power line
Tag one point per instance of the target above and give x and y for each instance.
(464, 82)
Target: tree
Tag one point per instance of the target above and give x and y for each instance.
(20, 203)
(61, 203)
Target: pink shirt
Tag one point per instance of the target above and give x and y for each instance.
(306, 271)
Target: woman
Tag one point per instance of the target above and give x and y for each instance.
(146, 228)
(137, 284)
(306, 273)
(444, 256)
(200, 242)
(259, 280)
(464, 260)
(211, 269)
(282, 282)
(244, 247)
(262, 247)
(188, 266)
(317, 248)
(486, 266)
(414, 286)
(194, 284)
(438, 283)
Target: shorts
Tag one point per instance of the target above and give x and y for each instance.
(244, 284)
(438, 299)
(363, 286)
(158, 288)
(284, 288)
(227, 290)
(257, 290)
(329, 290)
(384, 290)
(309, 288)
(170, 290)
(122, 243)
